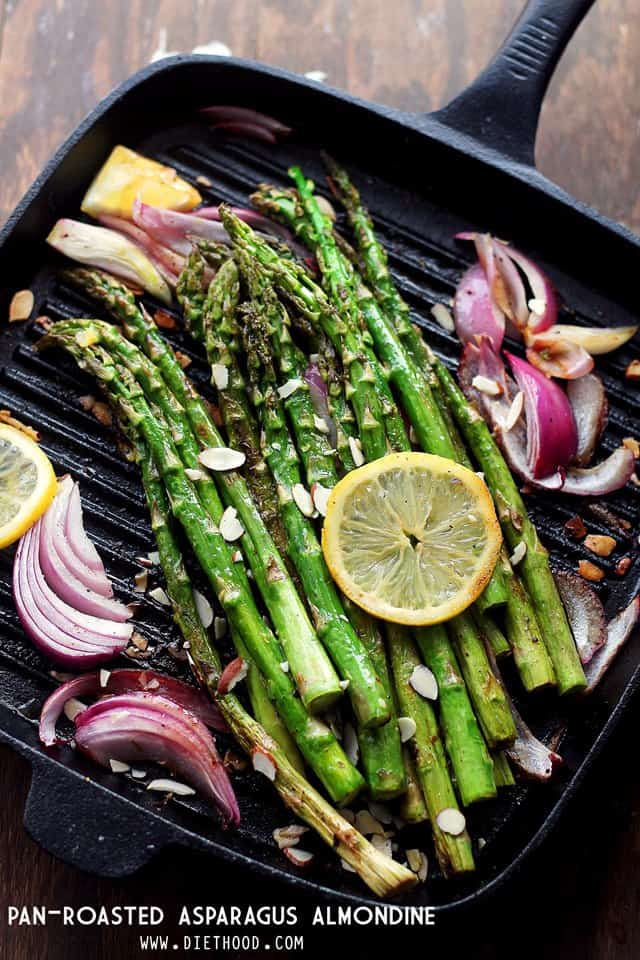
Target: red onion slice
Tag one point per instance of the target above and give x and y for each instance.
(173, 229)
(552, 438)
(475, 313)
(168, 263)
(146, 727)
(127, 681)
(541, 288)
(320, 399)
(618, 632)
(556, 357)
(605, 477)
(244, 115)
(75, 533)
(584, 613)
(257, 221)
(56, 517)
(589, 404)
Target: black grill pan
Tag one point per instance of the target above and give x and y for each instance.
(469, 166)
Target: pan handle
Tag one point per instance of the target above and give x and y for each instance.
(500, 109)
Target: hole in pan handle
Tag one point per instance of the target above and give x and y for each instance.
(500, 109)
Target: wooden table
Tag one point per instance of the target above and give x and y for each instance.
(58, 58)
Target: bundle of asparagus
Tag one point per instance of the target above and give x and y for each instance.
(313, 376)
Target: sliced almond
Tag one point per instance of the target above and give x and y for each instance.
(171, 786)
(289, 388)
(443, 316)
(221, 458)
(117, 766)
(73, 707)
(104, 677)
(303, 499)
(137, 773)
(233, 673)
(356, 451)
(300, 858)
(451, 821)
(347, 866)
(284, 666)
(140, 581)
(380, 811)
(602, 546)
(264, 763)
(590, 571)
(414, 859)
(633, 370)
(367, 824)
(383, 845)
(350, 743)
(160, 596)
(236, 556)
(230, 527)
(154, 557)
(343, 684)
(632, 444)
(194, 475)
(139, 642)
(320, 424)
(289, 836)
(518, 554)
(203, 181)
(424, 682)
(204, 608)
(220, 375)
(102, 412)
(515, 412)
(537, 306)
(407, 727)
(320, 496)
(21, 306)
(219, 627)
(486, 385)
(183, 359)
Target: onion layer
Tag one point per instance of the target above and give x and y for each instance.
(584, 613)
(589, 404)
(618, 632)
(173, 229)
(474, 312)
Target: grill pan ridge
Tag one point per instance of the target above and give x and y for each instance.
(449, 181)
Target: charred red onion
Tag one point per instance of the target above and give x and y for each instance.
(245, 121)
(167, 262)
(557, 357)
(55, 523)
(618, 632)
(121, 682)
(175, 230)
(320, 398)
(474, 312)
(584, 613)
(589, 404)
(142, 727)
(605, 477)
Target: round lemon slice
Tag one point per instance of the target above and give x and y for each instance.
(412, 538)
(27, 483)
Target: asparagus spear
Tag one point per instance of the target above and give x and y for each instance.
(384, 876)
(518, 528)
(317, 744)
(334, 629)
(454, 852)
(314, 674)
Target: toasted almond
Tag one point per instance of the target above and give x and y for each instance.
(284, 666)
(154, 557)
(289, 836)
(230, 527)
(515, 412)
(442, 316)
(102, 412)
(383, 845)
(350, 742)
(194, 475)
(87, 401)
(367, 824)
(203, 181)
(138, 641)
(289, 388)
(300, 858)
(407, 727)
(537, 306)
(602, 546)
(590, 571)
(236, 556)
(219, 627)
(164, 320)
(347, 866)
(171, 786)
(73, 707)
(221, 458)
(117, 766)
(451, 821)
(140, 581)
(632, 444)
(21, 306)
(160, 596)
(232, 675)
(424, 682)
(320, 496)
(623, 566)
(220, 375)
(486, 385)
(356, 451)
(303, 499)
(320, 424)
(45, 322)
(264, 763)
(183, 359)
(518, 554)
(343, 684)
(575, 528)
(205, 611)
(137, 773)
(104, 677)
(633, 370)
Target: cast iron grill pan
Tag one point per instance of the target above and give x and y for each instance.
(423, 182)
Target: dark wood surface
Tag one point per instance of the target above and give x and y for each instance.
(580, 896)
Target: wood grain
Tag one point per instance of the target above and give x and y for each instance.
(57, 59)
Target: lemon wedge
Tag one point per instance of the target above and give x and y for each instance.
(411, 538)
(126, 176)
(27, 483)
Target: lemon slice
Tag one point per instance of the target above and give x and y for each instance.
(412, 538)
(27, 483)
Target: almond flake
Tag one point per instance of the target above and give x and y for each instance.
(154, 556)
(443, 317)
(194, 475)
(73, 707)
(518, 554)
(230, 527)
(203, 181)
(117, 766)
(486, 385)
(21, 306)
(289, 836)
(171, 786)
(602, 546)
(137, 773)
(367, 824)
(233, 673)
(343, 684)
(423, 682)
(356, 451)
(451, 821)
(236, 556)
(589, 571)
(160, 596)
(219, 627)
(350, 742)
(632, 444)
(407, 727)
(537, 306)
(300, 858)
(263, 762)
(414, 859)
(320, 424)
(104, 677)
(220, 375)
(140, 581)
(183, 359)
(144, 562)
(303, 499)
(139, 642)
(347, 866)
(284, 666)
(320, 496)
(221, 458)
(515, 412)
(205, 611)
(164, 320)
(289, 388)
(633, 370)
(382, 845)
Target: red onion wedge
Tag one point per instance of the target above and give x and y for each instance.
(589, 404)
(56, 522)
(556, 357)
(595, 340)
(127, 681)
(258, 222)
(142, 727)
(173, 229)
(552, 438)
(544, 297)
(245, 120)
(168, 263)
(75, 533)
(474, 312)
(618, 632)
(584, 613)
